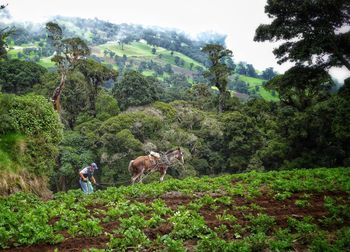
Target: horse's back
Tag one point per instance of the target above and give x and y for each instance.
(139, 160)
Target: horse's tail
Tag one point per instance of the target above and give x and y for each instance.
(130, 166)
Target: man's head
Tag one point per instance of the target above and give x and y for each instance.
(93, 166)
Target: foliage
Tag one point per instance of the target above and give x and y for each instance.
(167, 110)
(96, 74)
(187, 224)
(32, 117)
(302, 87)
(25, 219)
(134, 90)
(218, 71)
(69, 53)
(19, 77)
(106, 105)
(87, 228)
(308, 29)
(242, 138)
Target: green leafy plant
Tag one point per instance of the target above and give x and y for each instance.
(132, 239)
(171, 245)
(283, 195)
(261, 223)
(302, 203)
(88, 228)
(187, 224)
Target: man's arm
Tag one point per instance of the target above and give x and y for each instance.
(82, 176)
(93, 180)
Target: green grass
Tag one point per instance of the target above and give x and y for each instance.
(253, 82)
(148, 73)
(14, 50)
(9, 147)
(46, 62)
(143, 51)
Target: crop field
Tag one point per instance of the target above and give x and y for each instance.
(273, 211)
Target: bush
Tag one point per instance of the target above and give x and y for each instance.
(35, 130)
(166, 109)
(31, 115)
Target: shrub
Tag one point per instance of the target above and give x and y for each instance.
(167, 109)
(32, 117)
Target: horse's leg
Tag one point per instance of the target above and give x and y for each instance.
(137, 177)
(141, 177)
(133, 179)
(162, 172)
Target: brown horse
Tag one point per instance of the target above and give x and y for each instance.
(145, 164)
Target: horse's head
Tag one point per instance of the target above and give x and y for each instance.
(179, 155)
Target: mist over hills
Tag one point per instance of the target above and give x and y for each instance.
(154, 51)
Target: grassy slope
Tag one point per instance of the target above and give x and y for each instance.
(143, 51)
(45, 62)
(253, 82)
(279, 211)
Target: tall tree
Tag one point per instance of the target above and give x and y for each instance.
(69, 53)
(268, 73)
(218, 71)
(96, 74)
(241, 68)
(313, 31)
(251, 71)
(4, 33)
(301, 87)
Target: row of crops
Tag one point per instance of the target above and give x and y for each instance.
(279, 211)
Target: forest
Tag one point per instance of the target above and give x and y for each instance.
(75, 91)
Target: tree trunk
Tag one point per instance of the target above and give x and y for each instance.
(221, 102)
(57, 93)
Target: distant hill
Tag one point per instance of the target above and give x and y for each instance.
(153, 51)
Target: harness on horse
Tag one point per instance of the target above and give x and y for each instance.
(154, 162)
(158, 160)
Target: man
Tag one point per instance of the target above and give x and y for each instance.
(87, 175)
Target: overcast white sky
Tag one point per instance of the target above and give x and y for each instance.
(237, 19)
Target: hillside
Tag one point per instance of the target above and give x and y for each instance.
(290, 210)
(154, 52)
(257, 84)
(138, 52)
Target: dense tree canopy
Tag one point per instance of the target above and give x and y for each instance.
(135, 90)
(312, 30)
(18, 76)
(301, 87)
